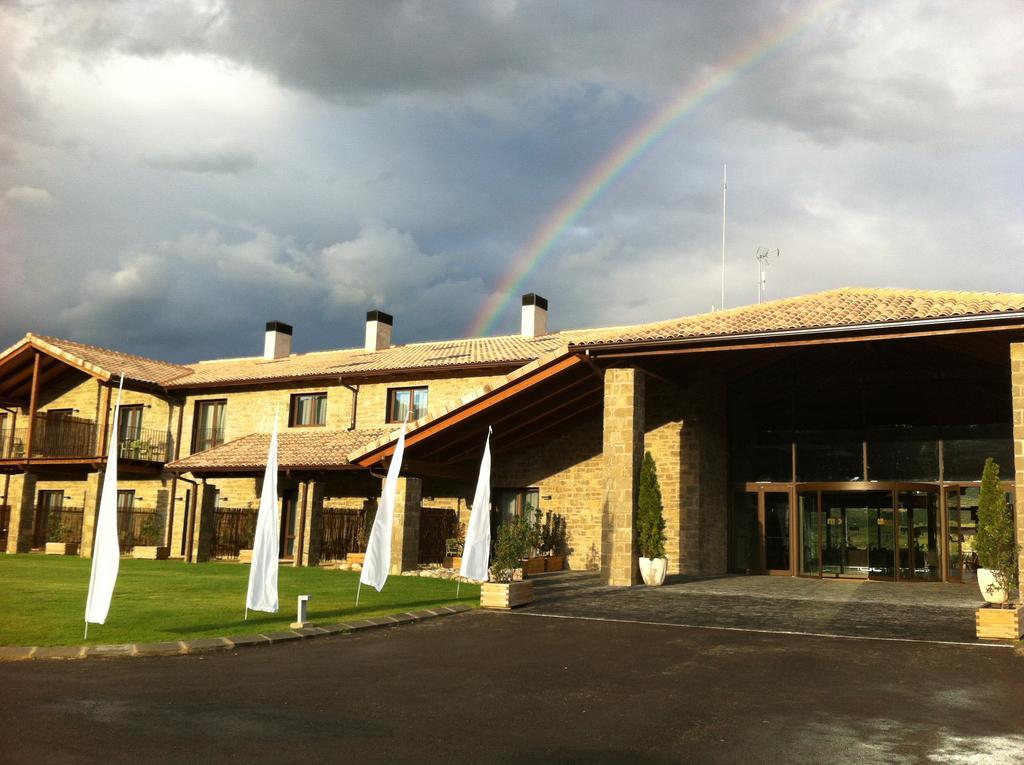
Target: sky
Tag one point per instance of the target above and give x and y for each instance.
(175, 174)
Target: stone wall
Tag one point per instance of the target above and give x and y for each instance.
(1017, 393)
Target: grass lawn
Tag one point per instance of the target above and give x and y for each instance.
(42, 600)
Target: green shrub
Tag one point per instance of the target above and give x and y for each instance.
(514, 542)
(994, 542)
(650, 524)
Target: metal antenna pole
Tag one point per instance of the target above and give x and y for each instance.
(724, 187)
(761, 256)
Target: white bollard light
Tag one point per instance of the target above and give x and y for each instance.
(302, 615)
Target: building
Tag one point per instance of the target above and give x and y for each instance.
(838, 434)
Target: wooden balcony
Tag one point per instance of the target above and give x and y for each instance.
(77, 439)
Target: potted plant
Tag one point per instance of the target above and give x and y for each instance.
(506, 588)
(552, 542)
(534, 561)
(650, 525)
(453, 547)
(60, 537)
(149, 534)
(245, 553)
(996, 549)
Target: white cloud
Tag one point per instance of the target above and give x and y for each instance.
(29, 197)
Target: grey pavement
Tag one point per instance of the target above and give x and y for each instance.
(909, 611)
(485, 687)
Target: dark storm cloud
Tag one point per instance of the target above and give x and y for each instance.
(400, 155)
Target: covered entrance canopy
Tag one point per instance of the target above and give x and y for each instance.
(851, 419)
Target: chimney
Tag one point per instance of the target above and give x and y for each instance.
(535, 316)
(278, 342)
(378, 330)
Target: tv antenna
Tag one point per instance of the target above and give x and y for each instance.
(761, 256)
(725, 186)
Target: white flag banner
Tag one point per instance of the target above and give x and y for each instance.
(106, 554)
(477, 550)
(378, 548)
(262, 595)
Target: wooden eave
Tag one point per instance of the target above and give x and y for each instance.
(917, 328)
(443, 431)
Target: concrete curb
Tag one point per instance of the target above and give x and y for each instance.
(205, 645)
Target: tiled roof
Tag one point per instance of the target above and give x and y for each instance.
(295, 448)
(112, 362)
(846, 307)
(505, 350)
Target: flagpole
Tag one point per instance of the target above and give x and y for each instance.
(92, 572)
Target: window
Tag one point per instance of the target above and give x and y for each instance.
(129, 423)
(308, 410)
(402, 400)
(208, 428)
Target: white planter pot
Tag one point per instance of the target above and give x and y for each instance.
(990, 589)
(652, 570)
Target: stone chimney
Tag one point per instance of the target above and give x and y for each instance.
(535, 316)
(278, 342)
(378, 330)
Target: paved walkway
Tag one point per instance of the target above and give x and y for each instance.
(925, 611)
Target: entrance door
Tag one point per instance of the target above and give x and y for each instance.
(847, 534)
(289, 499)
(776, 514)
(919, 536)
(759, 532)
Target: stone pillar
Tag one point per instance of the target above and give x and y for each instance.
(1017, 393)
(182, 508)
(21, 496)
(623, 453)
(202, 533)
(90, 511)
(314, 516)
(405, 534)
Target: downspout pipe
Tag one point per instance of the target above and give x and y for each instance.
(355, 401)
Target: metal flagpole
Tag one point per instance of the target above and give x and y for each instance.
(721, 307)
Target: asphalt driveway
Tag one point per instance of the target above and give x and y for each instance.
(511, 688)
(909, 611)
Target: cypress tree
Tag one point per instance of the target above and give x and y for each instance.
(994, 542)
(650, 524)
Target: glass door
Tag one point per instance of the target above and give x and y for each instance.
(953, 535)
(744, 533)
(919, 536)
(776, 513)
(881, 536)
(810, 523)
(289, 499)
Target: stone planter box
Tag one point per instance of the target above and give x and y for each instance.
(554, 563)
(62, 548)
(245, 556)
(151, 552)
(1000, 623)
(359, 558)
(453, 562)
(506, 595)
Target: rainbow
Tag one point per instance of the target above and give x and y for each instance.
(617, 162)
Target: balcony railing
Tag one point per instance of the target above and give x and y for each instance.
(75, 437)
(147, 444)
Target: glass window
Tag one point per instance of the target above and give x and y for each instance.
(829, 456)
(406, 403)
(903, 459)
(308, 410)
(964, 451)
(209, 425)
(129, 420)
(772, 457)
